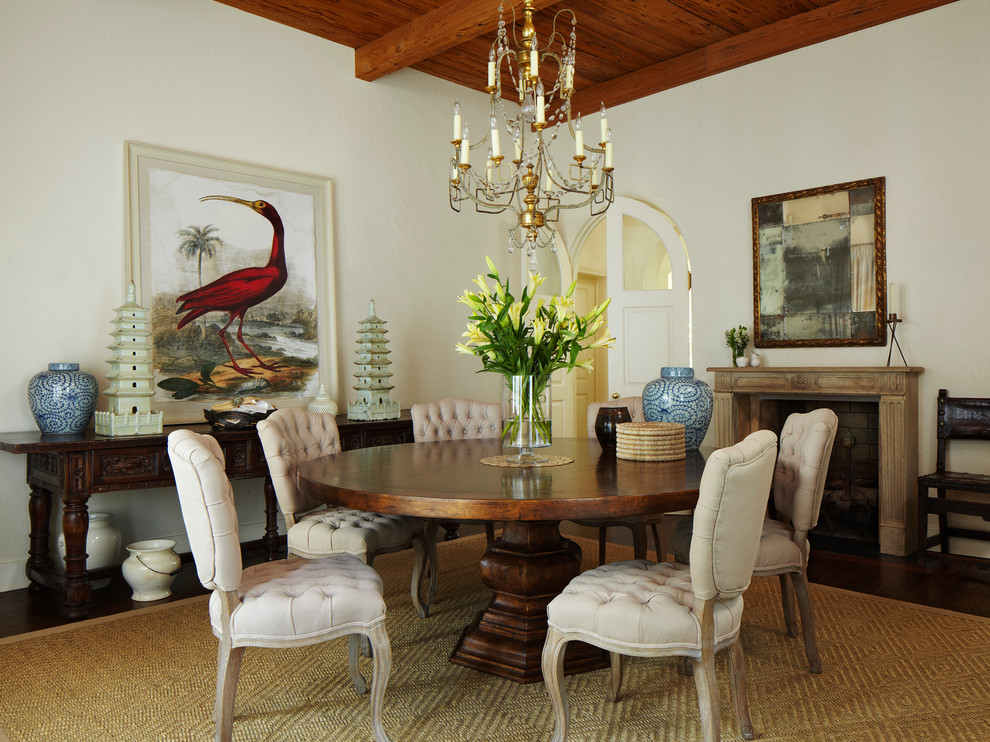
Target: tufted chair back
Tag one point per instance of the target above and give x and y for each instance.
(207, 502)
(729, 516)
(453, 418)
(802, 464)
(291, 437)
(633, 404)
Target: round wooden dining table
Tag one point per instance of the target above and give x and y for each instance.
(531, 562)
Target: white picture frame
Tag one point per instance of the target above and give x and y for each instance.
(293, 331)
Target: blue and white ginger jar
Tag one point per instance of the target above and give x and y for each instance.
(678, 397)
(62, 399)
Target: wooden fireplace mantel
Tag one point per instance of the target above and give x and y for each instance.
(745, 402)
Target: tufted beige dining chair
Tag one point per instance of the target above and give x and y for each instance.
(452, 419)
(640, 608)
(637, 525)
(798, 486)
(290, 437)
(288, 603)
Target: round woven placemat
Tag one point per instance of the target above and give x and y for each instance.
(504, 461)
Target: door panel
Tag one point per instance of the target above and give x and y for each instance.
(648, 344)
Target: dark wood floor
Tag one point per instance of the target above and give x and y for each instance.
(956, 588)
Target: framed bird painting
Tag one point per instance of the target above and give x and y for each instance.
(236, 263)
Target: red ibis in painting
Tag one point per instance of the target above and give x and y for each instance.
(238, 291)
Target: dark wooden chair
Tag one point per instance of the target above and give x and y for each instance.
(958, 417)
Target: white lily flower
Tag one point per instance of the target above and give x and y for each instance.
(539, 329)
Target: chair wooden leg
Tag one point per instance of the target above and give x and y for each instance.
(553, 679)
(228, 669)
(602, 534)
(639, 540)
(800, 583)
(737, 669)
(369, 559)
(382, 651)
(353, 655)
(787, 602)
(616, 662)
(704, 674)
(919, 555)
(419, 566)
(490, 533)
(659, 541)
(708, 701)
(943, 525)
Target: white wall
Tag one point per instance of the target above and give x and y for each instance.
(907, 101)
(79, 78)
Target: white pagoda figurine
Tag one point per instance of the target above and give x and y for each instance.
(373, 374)
(130, 376)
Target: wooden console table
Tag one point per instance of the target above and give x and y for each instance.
(73, 467)
(744, 402)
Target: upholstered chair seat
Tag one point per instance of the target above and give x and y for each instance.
(298, 598)
(345, 530)
(622, 599)
(778, 549)
(291, 437)
(288, 603)
(641, 608)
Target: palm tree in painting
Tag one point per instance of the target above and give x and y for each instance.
(197, 242)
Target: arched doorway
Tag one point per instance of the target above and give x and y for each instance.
(636, 255)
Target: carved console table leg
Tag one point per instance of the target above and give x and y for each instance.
(39, 558)
(75, 525)
(272, 545)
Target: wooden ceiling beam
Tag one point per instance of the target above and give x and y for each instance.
(437, 31)
(831, 21)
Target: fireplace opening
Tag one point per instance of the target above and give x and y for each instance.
(849, 519)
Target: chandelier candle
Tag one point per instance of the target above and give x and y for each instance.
(533, 185)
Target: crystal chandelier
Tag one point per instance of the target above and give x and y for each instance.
(532, 185)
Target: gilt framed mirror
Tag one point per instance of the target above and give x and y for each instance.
(819, 267)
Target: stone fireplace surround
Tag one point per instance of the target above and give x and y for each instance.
(745, 401)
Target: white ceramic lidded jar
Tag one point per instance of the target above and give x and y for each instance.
(150, 569)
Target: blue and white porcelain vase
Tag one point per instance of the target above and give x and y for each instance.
(62, 398)
(678, 397)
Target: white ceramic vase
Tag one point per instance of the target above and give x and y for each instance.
(322, 404)
(102, 545)
(150, 569)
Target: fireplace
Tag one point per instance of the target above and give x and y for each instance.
(748, 399)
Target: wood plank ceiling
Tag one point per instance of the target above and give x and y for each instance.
(626, 49)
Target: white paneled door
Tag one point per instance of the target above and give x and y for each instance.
(648, 282)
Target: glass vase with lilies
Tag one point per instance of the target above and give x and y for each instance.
(531, 336)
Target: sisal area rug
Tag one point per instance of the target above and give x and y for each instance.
(892, 673)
